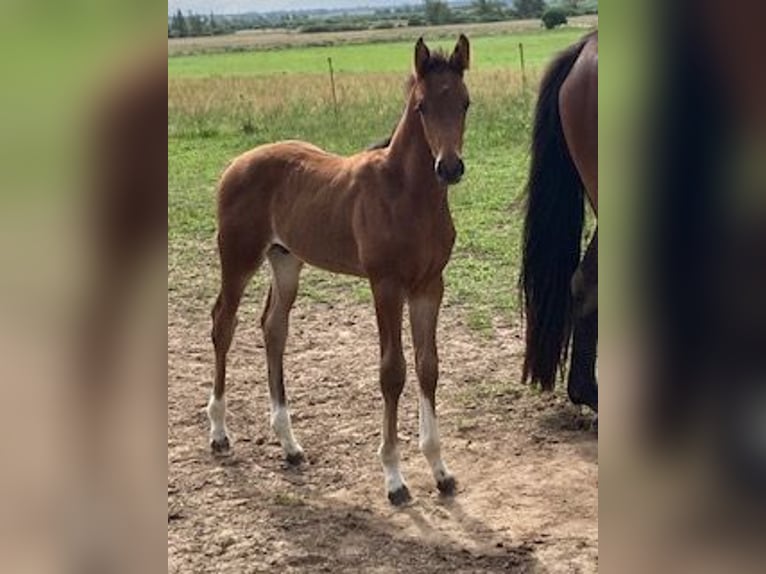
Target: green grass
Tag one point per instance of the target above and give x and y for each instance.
(487, 53)
(486, 206)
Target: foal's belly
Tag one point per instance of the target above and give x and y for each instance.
(326, 259)
(321, 236)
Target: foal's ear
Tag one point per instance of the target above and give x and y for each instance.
(421, 57)
(460, 58)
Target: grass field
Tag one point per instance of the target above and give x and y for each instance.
(490, 52)
(276, 39)
(220, 105)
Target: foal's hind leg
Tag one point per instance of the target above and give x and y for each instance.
(389, 302)
(274, 321)
(582, 387)
(424, 310)
(236, 271)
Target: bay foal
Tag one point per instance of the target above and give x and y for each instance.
(380, 214)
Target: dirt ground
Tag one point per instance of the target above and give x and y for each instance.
(526, 464)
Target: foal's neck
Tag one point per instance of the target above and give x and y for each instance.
(409, 152)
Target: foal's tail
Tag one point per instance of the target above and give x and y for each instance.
(552, 230)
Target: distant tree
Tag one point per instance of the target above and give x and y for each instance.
(196, 24)
(437, 12)
(554, 17)
(529, 8)
(486, 9)
(178, 25)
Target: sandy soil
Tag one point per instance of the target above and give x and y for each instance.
(526, 463)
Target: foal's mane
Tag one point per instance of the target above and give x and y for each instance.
(437, 62)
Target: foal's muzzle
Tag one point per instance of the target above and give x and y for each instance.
(450, 171)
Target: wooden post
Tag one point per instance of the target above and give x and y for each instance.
(523, 68)
(524, 90)
(332, 85)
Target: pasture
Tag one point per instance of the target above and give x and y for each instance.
(275, 39)
(525, 462)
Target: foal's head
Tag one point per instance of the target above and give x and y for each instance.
(441, 99)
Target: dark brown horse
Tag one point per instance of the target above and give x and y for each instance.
(380, 214)
(559, 290)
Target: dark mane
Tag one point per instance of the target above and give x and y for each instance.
(382, 144)
(438, 62)
(441, 62)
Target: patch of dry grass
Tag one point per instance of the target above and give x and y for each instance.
(237, 103)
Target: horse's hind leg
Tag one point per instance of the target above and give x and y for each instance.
(286, 270)
(424, 310)
(582, 387)
(239, 261)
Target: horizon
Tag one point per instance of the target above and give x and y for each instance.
(235, 7)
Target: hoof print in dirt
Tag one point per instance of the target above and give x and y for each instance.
(295, 458)
(399, 497)
(447, 486)
(220, 446)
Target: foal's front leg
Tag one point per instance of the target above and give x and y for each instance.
(424, 312)
(389, 301)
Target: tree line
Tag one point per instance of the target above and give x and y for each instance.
(440, 12)
(181, 26)
(430, 12)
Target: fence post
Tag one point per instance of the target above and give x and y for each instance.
(524, 89)
(523, 68)
(332, 85)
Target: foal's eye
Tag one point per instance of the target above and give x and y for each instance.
(467, 105)
(420, 108)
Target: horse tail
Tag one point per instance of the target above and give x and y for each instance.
(552, 232)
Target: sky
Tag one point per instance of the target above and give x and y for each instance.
(240, 6)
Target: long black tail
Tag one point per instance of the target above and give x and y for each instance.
(552, 232)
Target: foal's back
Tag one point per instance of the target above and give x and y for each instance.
(296, 195)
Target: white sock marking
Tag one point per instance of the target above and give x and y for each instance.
(430, 444)
(280, 424)
(390, 463)
(216, 412)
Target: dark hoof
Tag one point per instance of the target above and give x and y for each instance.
(585, 397)
(295, 458)
(400, 496)
(447, 486)
(220, 446)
